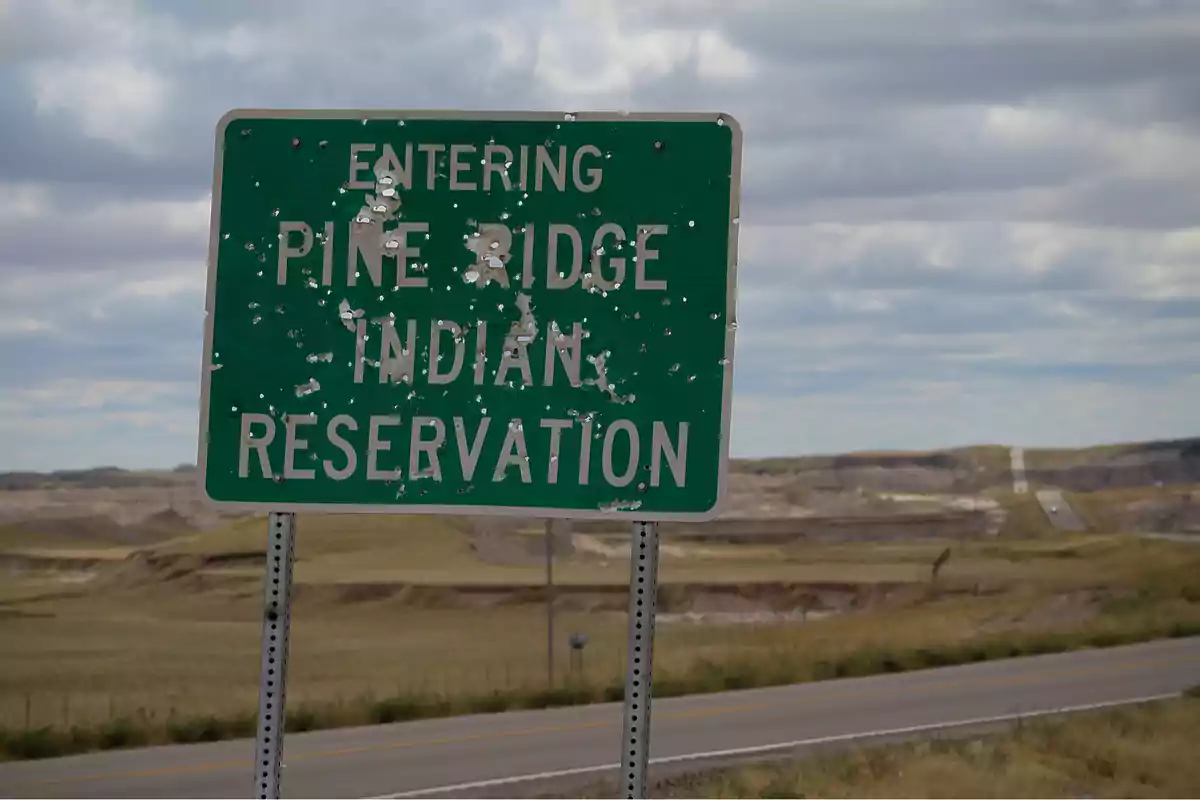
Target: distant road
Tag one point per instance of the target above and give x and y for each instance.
(1061, 515)
(1017, 456)
(519, 754)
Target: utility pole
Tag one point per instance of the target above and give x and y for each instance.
(550, 597)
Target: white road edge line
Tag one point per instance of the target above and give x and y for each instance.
(766, 748)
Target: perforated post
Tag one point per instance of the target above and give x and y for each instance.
(272, 686)
(643, 593)
(550, 597)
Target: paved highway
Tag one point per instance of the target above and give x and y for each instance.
(1061, 515)
(515, 754)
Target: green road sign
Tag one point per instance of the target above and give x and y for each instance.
(471, 313)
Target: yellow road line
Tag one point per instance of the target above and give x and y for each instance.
(578, 726)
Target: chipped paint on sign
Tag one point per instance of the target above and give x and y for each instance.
(531, 318)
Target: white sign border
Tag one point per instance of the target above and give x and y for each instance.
(531, 512)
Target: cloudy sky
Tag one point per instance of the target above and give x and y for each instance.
(963, 221)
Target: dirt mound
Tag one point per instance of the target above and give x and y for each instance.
(506, 549)
(415, 596)
(1167, 462)
(971, 470)
(1175, 515)
(98, 477)
(49, 561)
(688, 598)
(96, 530)
(965, 470)
(503, 542)
(168, 522)
(78, 531)
(1068, 610)
(761, 530)
(183, 571)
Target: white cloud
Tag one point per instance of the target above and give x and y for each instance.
(988, 256)
(21, 202)
(23, 325)
(718, 60)
(115, 100)
(182, 218)
(591, 48)
(67, 394)
(186, 278)
(1144, 151)
(67, 230)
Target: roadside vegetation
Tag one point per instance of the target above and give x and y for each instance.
(123, 629)
(1150, 509)
(177, 661)
(779, 668)
(1136, 751)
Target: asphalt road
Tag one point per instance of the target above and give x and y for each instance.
(1061, 515)
(483, 755)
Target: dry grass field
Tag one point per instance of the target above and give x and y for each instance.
(135, 615)
(1147, 509)
(1142, 751)
(408, 611)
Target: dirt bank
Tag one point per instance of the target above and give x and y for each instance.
(755, 530)
(689, 598)
(1145, 464)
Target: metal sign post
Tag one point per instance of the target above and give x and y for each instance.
(550, 597)
(272, 686)
(643, 597)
